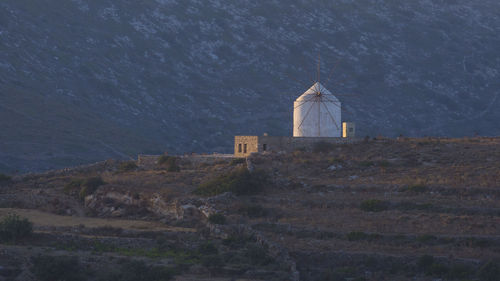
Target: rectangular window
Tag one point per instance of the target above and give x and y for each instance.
(264, 147)
(351, 129)
(245, 148)
(239, 148)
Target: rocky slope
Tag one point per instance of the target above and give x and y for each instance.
(82, 81)
(409, 209)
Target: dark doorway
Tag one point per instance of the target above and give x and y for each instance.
(264, 147)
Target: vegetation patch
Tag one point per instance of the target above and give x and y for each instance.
(258, 255)
(237, 161)
(489, 272)
(253, 211)
(359, 236)
(89, 186)
(14, 228)
(217, 219)
(4, 178)
(138, 271)
(408, 206)
(374, 205)
(83, 187)
(74, 184)
(50, 268)
(127, 166)
(323, 147)
(366, 164)
(417, 188)
(239, 181)
(426, 238)
(169, 163)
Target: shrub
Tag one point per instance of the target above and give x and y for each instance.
(460, 271)
(208, 248)
(253, 211)
(438, 269)
(4, 178)
(258, 255)
(384, 163)
(366, 164)
(237, 161)
(323, 147)
(89, 186)
(374, 205)
(238, 240)
(13, 228)
(240, 182)
(489, 272)
(213, 261)
(358, 235)
(425, 262)
(49, 268)
(127, 166)
(169, 162)
(74, 184)
(417, 188)
(139, 271)
(217, 219)
(333, 161)
(426, 238)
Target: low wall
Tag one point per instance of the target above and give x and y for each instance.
(295, 143)
(147, 160)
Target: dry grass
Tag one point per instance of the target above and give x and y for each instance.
(42, 219)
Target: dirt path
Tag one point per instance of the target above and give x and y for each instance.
(46, 219)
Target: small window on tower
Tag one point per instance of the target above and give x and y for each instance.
(239, 148)
(264, 147)
(245, 148)
(351, 129)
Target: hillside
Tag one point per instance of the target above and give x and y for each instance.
(383, 209)
(83, 81)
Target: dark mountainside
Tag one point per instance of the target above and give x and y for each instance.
(82, 81)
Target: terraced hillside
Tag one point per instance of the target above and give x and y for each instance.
(383, 209)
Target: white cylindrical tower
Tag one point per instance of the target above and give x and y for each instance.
(317, 113)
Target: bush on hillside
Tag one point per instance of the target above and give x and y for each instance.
(127, 166)
(138, 271)
(489, 272)
(50, 268)
(74, 184)
(208, 248)
(253, 211)
(239, 181)
(258, 255)
(169, 163)
(4, 178)
(374, 205)
(89, 186)
(83, 187)
(237, 161)
(217, 219)
(323, 147)
(14, 228)
(417, 188)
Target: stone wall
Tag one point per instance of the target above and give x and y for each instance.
(276, 144)
(147, 161)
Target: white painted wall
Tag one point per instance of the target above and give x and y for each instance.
(317, 115)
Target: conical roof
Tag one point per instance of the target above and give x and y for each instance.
(316, 89)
